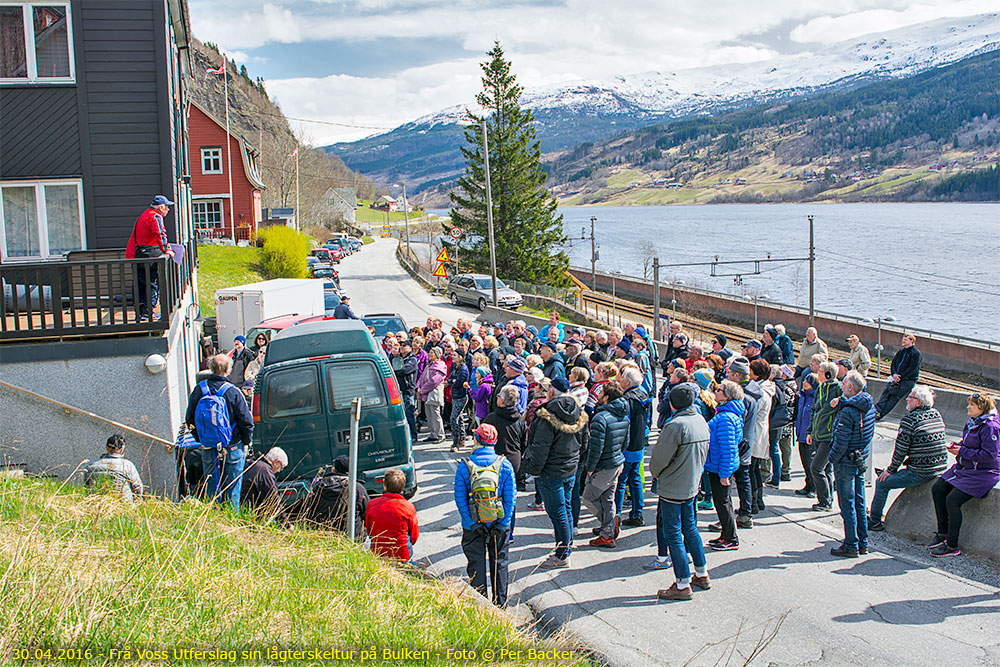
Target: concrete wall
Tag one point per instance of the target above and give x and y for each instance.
(48, 440)
(940, 352)
(951, 404)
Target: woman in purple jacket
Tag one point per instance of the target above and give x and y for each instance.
(803, 413)
(976, 471)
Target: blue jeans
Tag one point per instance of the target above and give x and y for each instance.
(677, 527)
(232, 475)
(775, 457)
(630, 476)
(898, 480)
(558, 496)
(850, 484)
(409, 409)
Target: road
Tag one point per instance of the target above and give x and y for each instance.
(895, 607)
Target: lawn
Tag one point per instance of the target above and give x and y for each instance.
(365, 214)
(89, 574)
(224, 266)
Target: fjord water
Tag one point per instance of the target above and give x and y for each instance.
(934, 266)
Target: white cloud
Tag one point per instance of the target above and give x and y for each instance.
(832, 29)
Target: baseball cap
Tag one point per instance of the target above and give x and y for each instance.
(498, 325)
(552, 346)
(753, 343)
(560, 384)
(486, 434)
(773, 333)
(159, 200)
(846, 363)
(574, 341)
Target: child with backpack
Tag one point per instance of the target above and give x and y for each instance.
(485, 494)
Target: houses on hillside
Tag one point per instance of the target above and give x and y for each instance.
(213, 151)
(92, 111)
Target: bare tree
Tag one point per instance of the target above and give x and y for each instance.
(647, 252)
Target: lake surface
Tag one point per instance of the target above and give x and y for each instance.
(933, 266)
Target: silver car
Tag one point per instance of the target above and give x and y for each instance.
(477, 289)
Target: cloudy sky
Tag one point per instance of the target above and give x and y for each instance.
(380, 63)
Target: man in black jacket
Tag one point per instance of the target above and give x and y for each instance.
(770, 352)
(558, 433)
(234, 454)
(404, 365)
(326, 505)
(260, 488)
(639, 403)
(904, 373)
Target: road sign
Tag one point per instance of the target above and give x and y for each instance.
(440, 272)
(455, 232)
(442, 256)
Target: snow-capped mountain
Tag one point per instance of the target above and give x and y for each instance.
(426, 150)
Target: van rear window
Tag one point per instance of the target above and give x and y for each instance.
(348, 380)
(291, 393)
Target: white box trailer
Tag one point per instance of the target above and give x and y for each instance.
(238, 309)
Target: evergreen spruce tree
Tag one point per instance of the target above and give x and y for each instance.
(528, 233)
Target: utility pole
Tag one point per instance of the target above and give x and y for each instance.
(812, 275)
(298, 213)
(656, 298)
(406, 220)
(489, 215)
(593, 255)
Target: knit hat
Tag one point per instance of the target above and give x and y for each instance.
(722, 339)
(625, 346)
(516, 364)
(342, 464)
(560, 384)
(242, 339)
(773, 333)
(682, 396)
(641, 332)
(740, 364)
(704, 377)
(486, 434)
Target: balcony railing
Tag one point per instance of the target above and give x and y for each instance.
(94, 293)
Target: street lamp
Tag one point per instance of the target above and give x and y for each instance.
(614, 305)
(878, 347)
(406, 217)
(755, 298)
(673, 298)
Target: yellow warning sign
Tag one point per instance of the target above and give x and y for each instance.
(440, 272)
(442, 256)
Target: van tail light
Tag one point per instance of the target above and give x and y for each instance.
(255, 407)
(393, 390)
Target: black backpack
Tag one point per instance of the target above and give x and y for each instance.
(782, 406)
(326, 504)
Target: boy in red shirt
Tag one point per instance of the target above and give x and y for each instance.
(391, 520)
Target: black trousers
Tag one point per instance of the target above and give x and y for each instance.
(891, 395)
(756, 485)
(742, 479)
(806, 457)
(722, 497)
(948, 503)
(487, 543)
(148, 292)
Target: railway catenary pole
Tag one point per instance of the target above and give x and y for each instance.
(812, 275)
(593, 255)
(656, 298)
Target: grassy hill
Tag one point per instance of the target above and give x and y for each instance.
(90, 573)
(899, 140)
(224, 266)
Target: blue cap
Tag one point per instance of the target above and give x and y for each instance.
(624, 346)
(560, 384)
(552, 346)
(158, 200)
(641, 332)
(498, 325)
(533, 329)
(241, 339)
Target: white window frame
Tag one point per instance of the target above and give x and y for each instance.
(206, 226)
(29, 44)
(207, 151)
(42, 216)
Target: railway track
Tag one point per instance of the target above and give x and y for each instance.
(603, 307)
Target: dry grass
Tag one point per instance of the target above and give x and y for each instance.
(90, 572)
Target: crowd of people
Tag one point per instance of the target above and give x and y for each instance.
(571, 412)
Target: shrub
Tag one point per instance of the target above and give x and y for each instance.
(283, 252)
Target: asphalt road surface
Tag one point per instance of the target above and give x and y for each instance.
(782, 599)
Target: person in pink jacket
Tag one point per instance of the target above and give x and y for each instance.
(430, 391)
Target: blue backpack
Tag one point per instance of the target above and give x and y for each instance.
(211, 417)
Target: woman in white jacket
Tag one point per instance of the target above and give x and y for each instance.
(760, 466)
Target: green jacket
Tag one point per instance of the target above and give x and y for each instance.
(823, 414)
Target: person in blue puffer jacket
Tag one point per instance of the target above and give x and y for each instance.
(853, 429)
(725, 433)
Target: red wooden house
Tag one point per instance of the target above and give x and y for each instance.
(210, 211)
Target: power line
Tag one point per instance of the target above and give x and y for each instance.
(923, 273)
(324, 122)
(907, 276)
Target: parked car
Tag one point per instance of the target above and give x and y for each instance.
(320, 270)
(272, 326)
(340, 245)
(384, 323)
(305, 392)
(331, 300)
(477, 289)
(322, 254)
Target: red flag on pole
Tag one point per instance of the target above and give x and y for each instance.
(220, 70)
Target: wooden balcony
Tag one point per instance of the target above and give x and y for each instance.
(93, 293)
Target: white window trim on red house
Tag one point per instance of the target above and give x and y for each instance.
(207, 154)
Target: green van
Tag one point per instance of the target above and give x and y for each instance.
(302, 403)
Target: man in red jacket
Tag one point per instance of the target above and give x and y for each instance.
(149, 240)
(391, 520)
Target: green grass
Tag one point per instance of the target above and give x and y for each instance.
(365, 214)
(89, 572)
(367, 239)
(224, 266)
